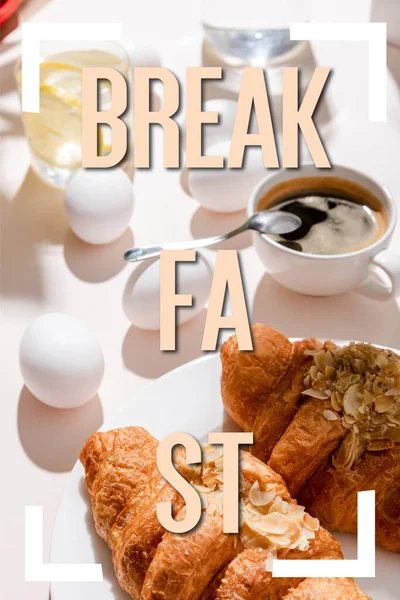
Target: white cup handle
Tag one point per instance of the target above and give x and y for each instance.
(389, 262)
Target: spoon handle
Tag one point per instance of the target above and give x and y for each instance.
(137, 254)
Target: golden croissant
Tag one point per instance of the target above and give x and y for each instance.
(324, 417)
(205, 564)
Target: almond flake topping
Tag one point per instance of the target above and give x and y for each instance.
(267, 520)
(363, 385)
(259, 498)
(330, 415)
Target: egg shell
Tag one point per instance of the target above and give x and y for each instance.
(99, 204)
(141, 299)
(222, 131)
(61, 362)
(215, 134)
(227, 190)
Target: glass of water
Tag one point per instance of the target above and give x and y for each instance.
(54, 134)
(251, 32)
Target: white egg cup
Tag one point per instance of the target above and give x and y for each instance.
(141, 299)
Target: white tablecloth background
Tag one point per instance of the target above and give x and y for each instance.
(45, 268)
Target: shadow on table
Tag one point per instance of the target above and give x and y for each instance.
(393, 62)
(96, 263)
(39, 206)
(141, 349)
(8, 81)
(51, 437)
(206, 223)
(12, 124)
(348, 316)
(35, 215)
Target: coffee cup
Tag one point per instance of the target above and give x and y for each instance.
(331, 274)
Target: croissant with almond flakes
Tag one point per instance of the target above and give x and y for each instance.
(326, 418)
(204, 564)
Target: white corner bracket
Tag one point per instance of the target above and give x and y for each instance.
(362, 566)
(376, 36)
(36, 570)
(34, 33)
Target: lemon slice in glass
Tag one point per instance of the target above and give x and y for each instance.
(55, 132)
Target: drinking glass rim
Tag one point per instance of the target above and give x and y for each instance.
(44, 57)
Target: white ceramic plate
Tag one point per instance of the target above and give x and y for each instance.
(186, 399)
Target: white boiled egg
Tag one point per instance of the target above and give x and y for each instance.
(214, 133)
(141, 300)
(227, 190)
(99, 204)
(221, 132)
(217, 133)
(61, 362)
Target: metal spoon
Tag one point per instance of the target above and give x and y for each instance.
(273, 222)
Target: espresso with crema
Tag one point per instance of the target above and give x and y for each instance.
(337, 216)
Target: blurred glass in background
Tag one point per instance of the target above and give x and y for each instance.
(251, 32)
